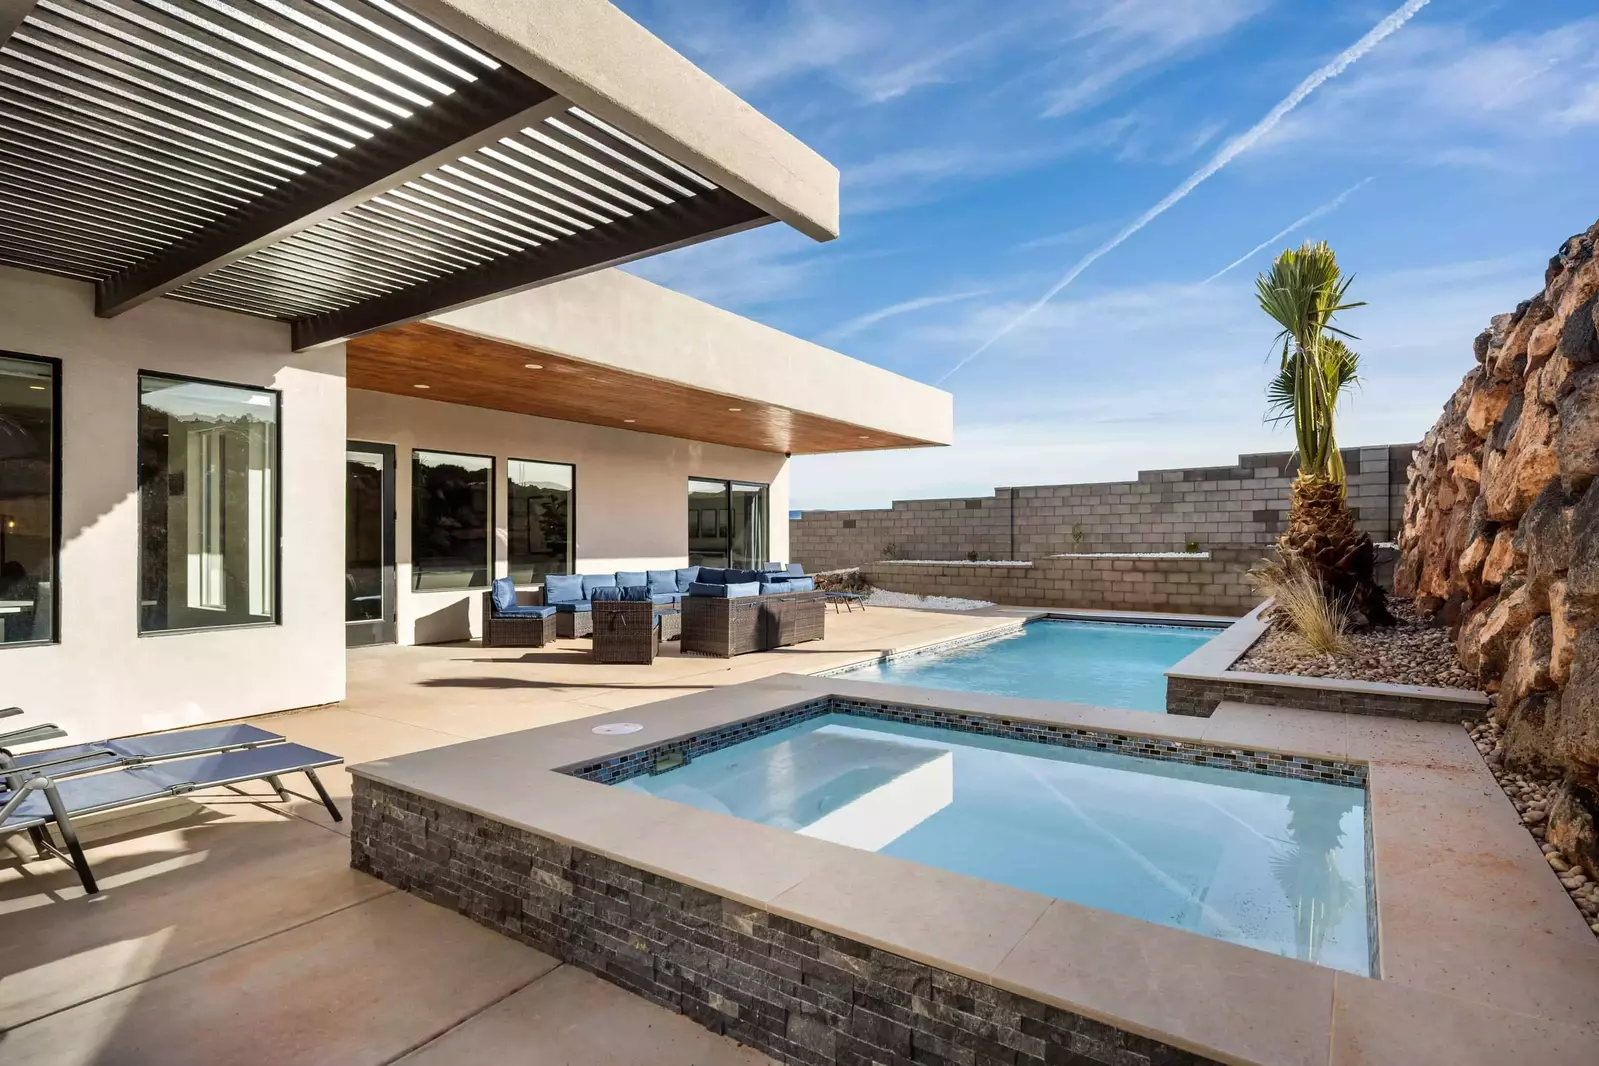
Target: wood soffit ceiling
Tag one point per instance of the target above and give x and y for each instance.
(478, 371)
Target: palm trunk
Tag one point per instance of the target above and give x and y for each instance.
(1322, 534)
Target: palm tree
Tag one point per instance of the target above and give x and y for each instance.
(1302, 292)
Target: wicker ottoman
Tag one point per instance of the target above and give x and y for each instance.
(671, 622)
(574, 623)
(625, 631)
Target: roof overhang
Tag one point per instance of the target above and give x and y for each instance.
(612, 349)
(347, 165)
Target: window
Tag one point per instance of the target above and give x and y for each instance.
(727, 524)
(208, 504)
(452, 519)
(29, 499)
(540, 524)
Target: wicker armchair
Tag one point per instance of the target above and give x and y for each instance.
(503, 632)
(713, 625)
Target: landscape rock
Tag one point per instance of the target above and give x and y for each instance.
(1577, 443)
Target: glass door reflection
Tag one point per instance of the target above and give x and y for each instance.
(369, 544)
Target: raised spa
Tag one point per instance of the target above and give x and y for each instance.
(1276, 863)
(1107, 664)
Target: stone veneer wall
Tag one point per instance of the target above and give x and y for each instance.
(794, 992)
(1501, 533)
(1215, 583)
(1199, 697)
(1222, 506)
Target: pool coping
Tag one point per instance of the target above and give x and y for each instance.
(1205, 678)
(1498, 951)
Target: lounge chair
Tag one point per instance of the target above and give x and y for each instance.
(42, 799)
(127, 751)
(848, 599)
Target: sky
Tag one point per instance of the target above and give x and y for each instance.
(1056, 210)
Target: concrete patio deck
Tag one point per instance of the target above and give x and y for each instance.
(235, 932)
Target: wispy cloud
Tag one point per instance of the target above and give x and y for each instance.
(1230, 151)
(1304, 220)
(905, 307)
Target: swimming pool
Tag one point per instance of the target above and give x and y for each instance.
(1107, 664)
(1273, 863)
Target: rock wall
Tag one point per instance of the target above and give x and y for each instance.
(1500, 534)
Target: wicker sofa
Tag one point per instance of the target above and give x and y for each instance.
(573, 595)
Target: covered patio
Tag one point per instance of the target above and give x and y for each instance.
(231, 931)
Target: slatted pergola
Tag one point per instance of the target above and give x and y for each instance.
(342, 165)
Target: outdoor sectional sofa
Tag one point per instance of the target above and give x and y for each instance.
(572, 595)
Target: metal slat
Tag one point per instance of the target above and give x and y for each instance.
(21, 142)
(110, 186)
(373, 226)
(345, 243)
(582, 184)
(26, 192)
(131, 215)
(341, 263)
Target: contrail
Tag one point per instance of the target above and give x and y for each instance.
(1228, 152)
(1329, 206)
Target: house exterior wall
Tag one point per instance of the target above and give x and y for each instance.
(1219, 507)
(102, 678)
(632, 492)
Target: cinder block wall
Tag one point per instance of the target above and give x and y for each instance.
(1219, 507)
(1216, 584)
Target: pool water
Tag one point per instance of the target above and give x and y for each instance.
(1273, 863)
(1106, 664)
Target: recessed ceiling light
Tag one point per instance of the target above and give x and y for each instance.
(421, 386)
(36, 388)
(735, 408)
(865, 437)
(630, 420)
(533, 366)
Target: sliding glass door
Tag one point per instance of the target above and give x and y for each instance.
(368, 544)
(728, 523)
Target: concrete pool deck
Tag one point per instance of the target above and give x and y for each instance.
(1483, 957)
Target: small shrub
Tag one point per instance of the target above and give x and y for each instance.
(971, 556)
(1191, 546)
(1078, 535)
(1301, 606)
(891, 551)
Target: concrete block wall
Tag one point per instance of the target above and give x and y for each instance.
(1213, 583)
(1217, 507)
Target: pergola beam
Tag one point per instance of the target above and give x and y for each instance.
(12, 12)
(497, 104)
(702, 217)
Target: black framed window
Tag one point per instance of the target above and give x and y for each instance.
(540, 532)
(452, 521)
(727, 523)
(208, 504)
(30, 498)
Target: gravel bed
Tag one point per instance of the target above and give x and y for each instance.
(884, 598)
(1414, 652)
(1530, 795)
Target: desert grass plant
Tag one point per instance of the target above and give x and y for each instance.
(1301, 605)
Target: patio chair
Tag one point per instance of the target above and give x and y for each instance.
(43, 800)
(848, 599)
(510, 624)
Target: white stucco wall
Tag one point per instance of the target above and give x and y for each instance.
(103, 678)
(632, 492)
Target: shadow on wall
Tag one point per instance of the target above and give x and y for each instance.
(449, 623)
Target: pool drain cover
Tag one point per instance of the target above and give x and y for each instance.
(611, 729)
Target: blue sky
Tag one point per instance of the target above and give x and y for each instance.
(987, 148)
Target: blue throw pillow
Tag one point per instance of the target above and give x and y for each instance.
(563, 588)
(710, 575)
(743, 588)
(503, 593)
(686, 577)
(597, 581)
(740, 577)
(606, 592)
(774, 568)
(660, 582)
(634, 593)
(800, 584)
(705, 588)
(796, 570)
(624, 578)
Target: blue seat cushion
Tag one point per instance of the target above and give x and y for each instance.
(741, 577)
(659, 581)
(710, 575)
(525, 612)
(742, 588)
(686, 577)
(635, 593)
(574, 607)
(774, 568)
(563, 588)
(605, 592)
(799, 584)
(597, 581)
(707, 588)
(503, 593)
(624, 578)
(663, 599)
